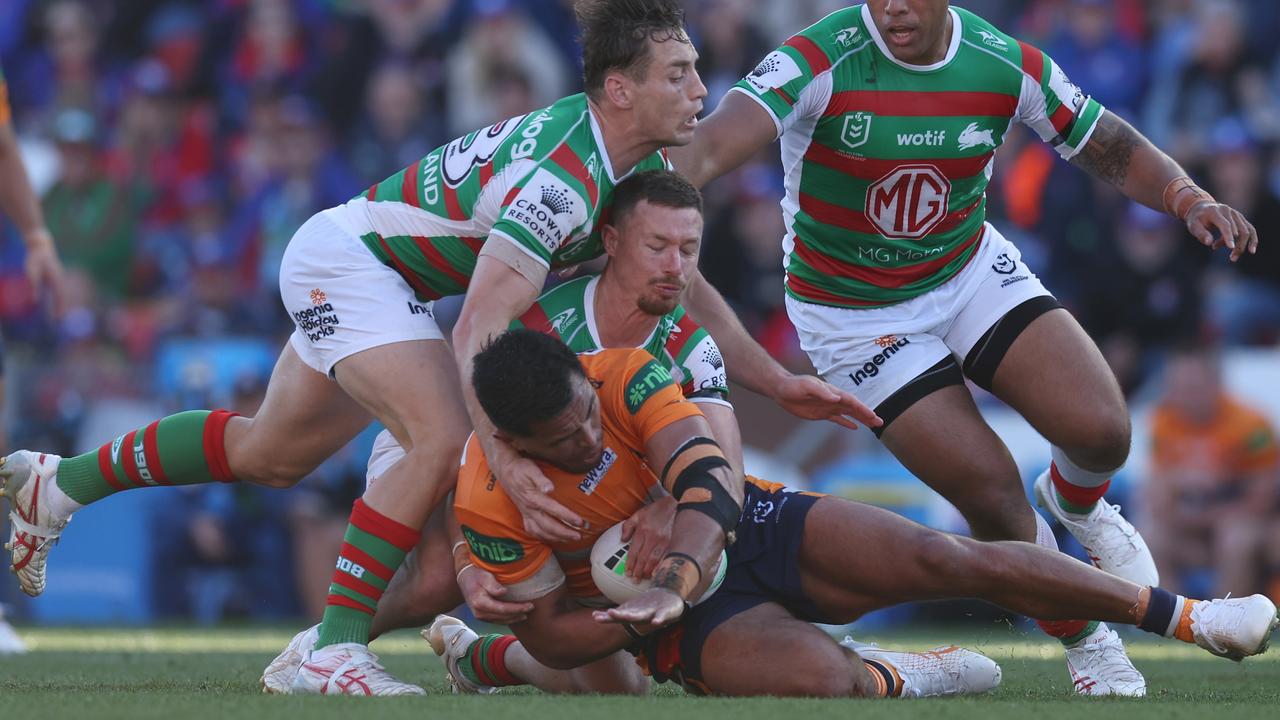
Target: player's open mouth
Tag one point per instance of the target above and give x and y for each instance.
(901, 35)
(692, 122)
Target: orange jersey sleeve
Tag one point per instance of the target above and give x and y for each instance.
(5, 112)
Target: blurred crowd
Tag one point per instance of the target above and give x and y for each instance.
(178, 144)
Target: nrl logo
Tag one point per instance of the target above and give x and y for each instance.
(857, 129)
(993, 40)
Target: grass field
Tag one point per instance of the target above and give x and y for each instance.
(184, 673)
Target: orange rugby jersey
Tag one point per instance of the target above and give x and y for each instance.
(637, 399)
(1238, 440)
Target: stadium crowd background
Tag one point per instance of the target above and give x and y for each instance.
(177, 145)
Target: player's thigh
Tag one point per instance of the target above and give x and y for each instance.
(856, 558)
(616, 674)
(304, 418)
(943, 440)
(1016, 341)
(767, 651)
(883, 356)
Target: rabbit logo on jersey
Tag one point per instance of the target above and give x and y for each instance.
(776, 70)
(547, 209)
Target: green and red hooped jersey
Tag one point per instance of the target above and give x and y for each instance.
(887, 163)
(539, 181)
(682, 346)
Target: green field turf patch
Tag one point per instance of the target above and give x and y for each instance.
(181, 673)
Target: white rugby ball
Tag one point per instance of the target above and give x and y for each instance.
(609, 569)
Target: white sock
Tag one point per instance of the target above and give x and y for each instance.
(59, 503)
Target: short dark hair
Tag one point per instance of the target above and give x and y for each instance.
(523, 377)
(615, 35)
(660, 187)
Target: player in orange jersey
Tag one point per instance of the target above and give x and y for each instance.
(602, 425)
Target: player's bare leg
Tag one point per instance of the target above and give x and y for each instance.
(413, 388)
(304, 419)
(901, 561)
(803, 661)
(1055, 376)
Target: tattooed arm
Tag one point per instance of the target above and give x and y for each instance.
(1118, 154)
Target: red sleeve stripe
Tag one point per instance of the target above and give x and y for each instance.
(568, 160)
(1062, 119)
(785, 97)
(451, 206)
(813, 55)
(151, 450)
(1032, 61)
(535, 318)
(901, 103)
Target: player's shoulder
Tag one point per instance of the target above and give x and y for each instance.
(479, 494)
(979, 34)
(835, 34)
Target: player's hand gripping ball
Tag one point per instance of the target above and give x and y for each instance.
(609, 569)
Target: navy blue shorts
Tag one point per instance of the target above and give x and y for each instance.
(764, 566)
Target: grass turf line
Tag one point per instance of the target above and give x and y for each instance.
(135, 673)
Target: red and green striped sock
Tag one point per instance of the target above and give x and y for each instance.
(485, 662)
(183, 449)
(372, 549)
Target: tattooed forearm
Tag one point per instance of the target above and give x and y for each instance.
(678, 573)
(1109, 152)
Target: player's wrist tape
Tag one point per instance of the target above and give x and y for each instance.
(461, 556)
(678, 573)
(689, 475)
(1182, 194)
(632, 631)
(458, 575)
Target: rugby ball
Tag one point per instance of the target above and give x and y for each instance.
(609, 569)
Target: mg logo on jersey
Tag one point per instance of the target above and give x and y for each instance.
(857, 129)
(972, 136)
(908, 202)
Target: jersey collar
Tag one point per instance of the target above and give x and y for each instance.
(604, 152)
(957, 30)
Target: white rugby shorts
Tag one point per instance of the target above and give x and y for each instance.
(874, 352)
(342, 300)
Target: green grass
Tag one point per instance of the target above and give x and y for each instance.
(184, 674)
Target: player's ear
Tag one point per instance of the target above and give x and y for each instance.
(618, 89)
(611, 238)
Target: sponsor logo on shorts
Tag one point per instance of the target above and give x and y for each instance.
(318, 297)
(593, 478)
(1004, 264)
(418, 309)
(1015, 279)
(496, 550)
(648, 380)
(317, 321)
(890, 345)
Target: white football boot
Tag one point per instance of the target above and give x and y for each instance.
(277, 678)
(10, 643)
(947, 670)
(1112, 542)
(347, 669)
(450, 638)
(1234, 628)
(1099, 665)
(25, 477)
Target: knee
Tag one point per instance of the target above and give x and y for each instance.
(1102, 444)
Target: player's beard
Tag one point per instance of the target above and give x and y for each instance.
(656, 305)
